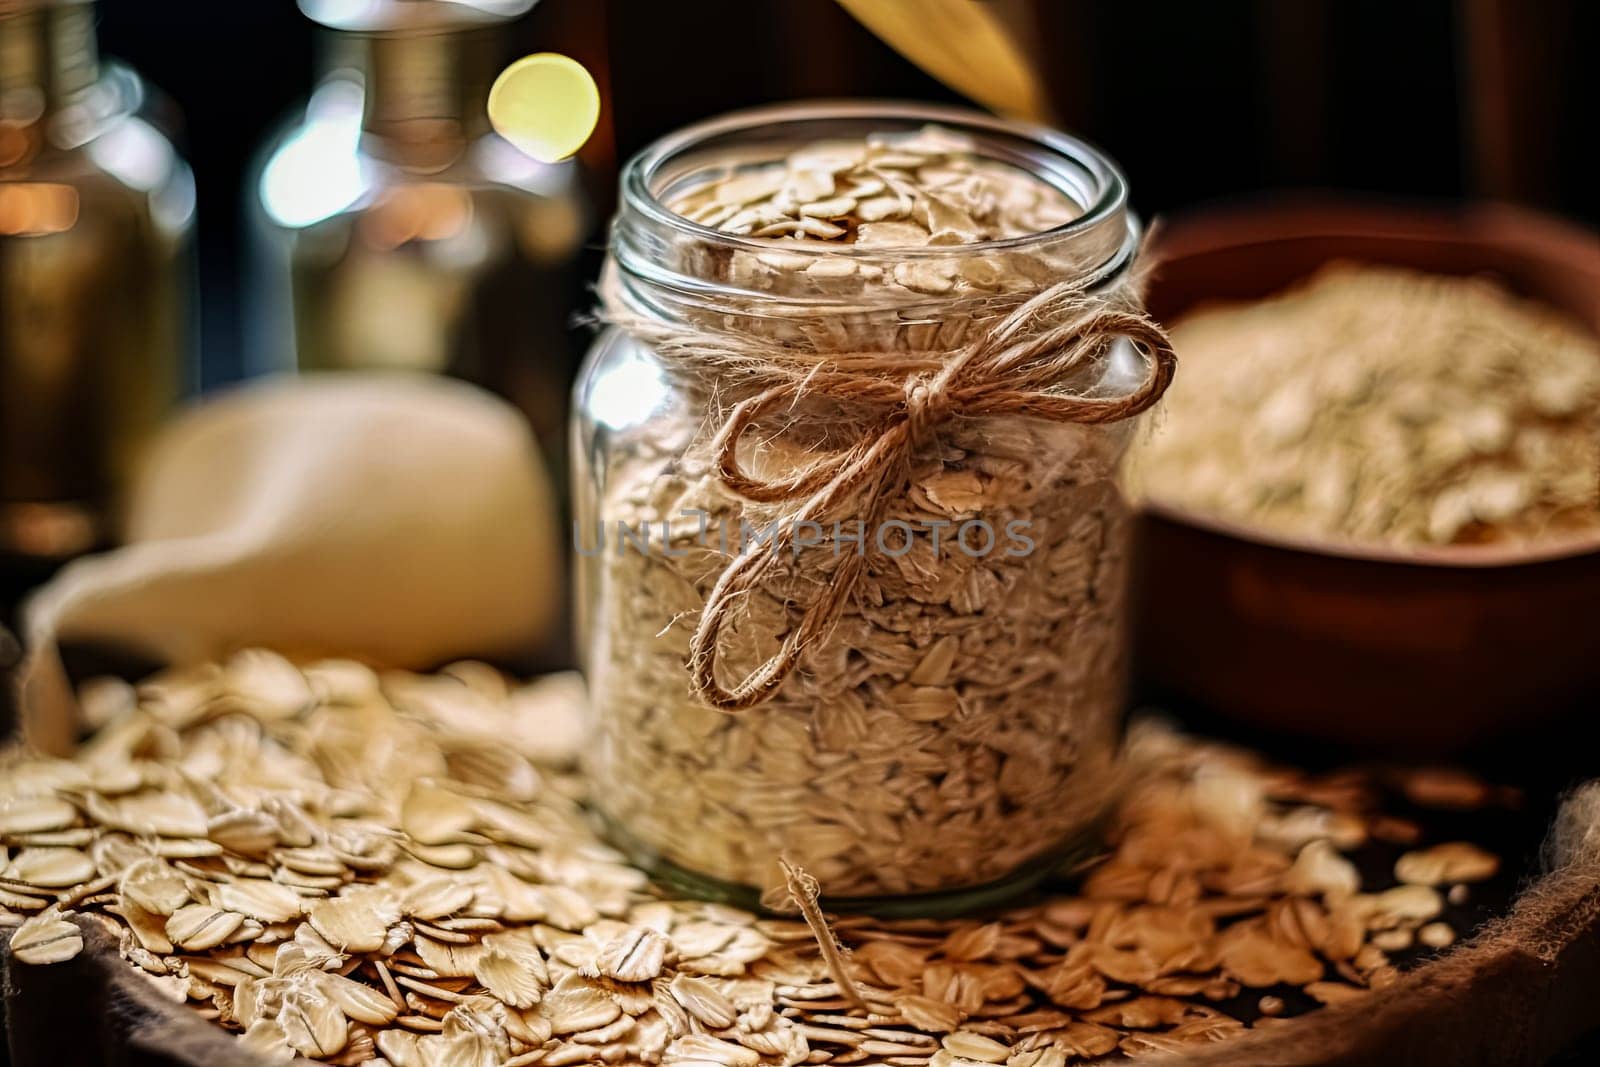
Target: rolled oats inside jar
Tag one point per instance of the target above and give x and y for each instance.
(852, 552)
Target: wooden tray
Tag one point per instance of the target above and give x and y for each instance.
(1519, 992)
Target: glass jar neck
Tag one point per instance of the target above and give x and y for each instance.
(48, 61)
(427, 95)
(665, 266)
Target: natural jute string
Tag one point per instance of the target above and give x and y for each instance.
(1008, 371)
(806, 894)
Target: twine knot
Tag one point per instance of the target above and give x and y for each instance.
(926, 406)
(1015, 368)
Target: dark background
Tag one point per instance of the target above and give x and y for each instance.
(1197, 100)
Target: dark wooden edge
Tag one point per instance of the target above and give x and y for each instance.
(1520, 992)
(96, 1009)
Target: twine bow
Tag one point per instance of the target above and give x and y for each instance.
(1009, 371)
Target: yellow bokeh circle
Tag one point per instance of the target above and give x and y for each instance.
(545, 104)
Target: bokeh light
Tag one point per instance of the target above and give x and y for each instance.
(545, 104)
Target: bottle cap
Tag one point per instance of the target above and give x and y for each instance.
(8, 8)
(399, 16)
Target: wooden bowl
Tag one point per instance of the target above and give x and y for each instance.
(1425, 652)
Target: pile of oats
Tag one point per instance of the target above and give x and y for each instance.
(890, 190)
(398, 869)
(1383, 406)
(960, 721)
(902, 207)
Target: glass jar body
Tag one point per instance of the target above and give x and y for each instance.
(956, 731)
(97, 313)
(448, 274)
(958, 728)
(385, 237)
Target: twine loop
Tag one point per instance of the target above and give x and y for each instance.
(1014, 369)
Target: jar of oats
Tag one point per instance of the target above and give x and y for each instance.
(852, 553)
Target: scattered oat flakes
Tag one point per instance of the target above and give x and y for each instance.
(1436, 935)
(547, 948)
(1456, 861)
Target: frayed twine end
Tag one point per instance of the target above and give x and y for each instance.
(805, 891)
(1575, 836)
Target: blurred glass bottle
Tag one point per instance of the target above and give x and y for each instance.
(96, 282)
(395, 230)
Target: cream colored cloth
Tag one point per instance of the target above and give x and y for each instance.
(400, 520)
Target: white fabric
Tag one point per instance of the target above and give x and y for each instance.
(400, 520)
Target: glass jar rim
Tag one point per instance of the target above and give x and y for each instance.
(659, 257)
(644, 168)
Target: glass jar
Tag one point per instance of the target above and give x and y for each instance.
(96, 284)
(394, 230)
(857, 615)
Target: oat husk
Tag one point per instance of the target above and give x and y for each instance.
(456, 903)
